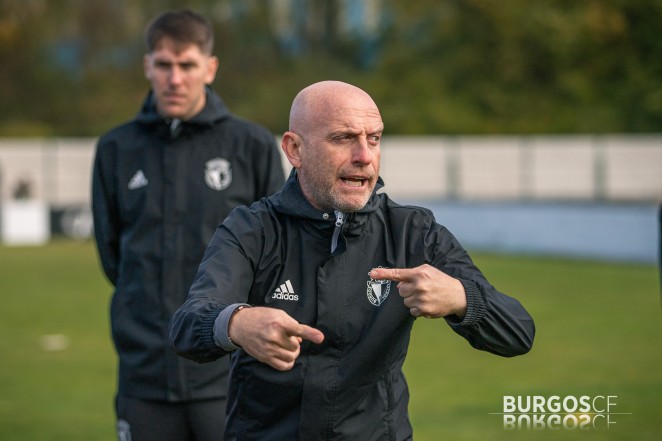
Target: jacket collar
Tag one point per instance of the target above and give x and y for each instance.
(214, 110)
(292, 202)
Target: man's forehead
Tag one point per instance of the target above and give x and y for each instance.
(332, 106)
(353, 120)
(170, 47)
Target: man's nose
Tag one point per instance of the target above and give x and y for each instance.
(362, 152)
(175, 75)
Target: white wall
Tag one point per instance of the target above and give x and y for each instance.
(576, 168)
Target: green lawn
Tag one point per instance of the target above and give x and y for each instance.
(598, 333)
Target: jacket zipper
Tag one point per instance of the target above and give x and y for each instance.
(175, 127)
(340, 217)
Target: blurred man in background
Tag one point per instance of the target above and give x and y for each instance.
(162, 183)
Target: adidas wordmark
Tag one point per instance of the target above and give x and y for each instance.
(285, 292)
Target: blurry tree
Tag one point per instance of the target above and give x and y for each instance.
(74, 67)
(71, 64)
(516, 66)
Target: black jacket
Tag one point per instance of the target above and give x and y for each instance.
(277, 253)
(159, 192)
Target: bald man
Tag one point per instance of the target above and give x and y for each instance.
(315, 289)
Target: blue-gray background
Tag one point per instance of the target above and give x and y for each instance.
(619, 232)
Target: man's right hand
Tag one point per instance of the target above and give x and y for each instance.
(271, 335)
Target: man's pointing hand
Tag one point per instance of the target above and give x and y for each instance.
(271, 335)
(427, 291)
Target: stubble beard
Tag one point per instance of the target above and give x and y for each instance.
(329, 199)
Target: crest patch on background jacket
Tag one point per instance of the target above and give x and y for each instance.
(218, 173)
(378, 290)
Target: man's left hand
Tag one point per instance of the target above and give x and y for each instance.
(427, 291)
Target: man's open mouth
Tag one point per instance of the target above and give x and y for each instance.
(354, 182)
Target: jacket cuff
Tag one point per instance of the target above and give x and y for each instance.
(221, 334)
(207, 328)
(476, 307)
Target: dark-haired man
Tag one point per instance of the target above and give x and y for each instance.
(162, 183)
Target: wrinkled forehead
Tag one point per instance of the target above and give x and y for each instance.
(351, 119)
(353, 113)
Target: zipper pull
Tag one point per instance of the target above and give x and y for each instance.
(340, 217)
(175, 127)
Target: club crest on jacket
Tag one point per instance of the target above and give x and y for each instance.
(218, 173)
(378, 290)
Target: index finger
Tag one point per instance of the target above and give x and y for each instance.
(311, 334)
(394, 274)
(304, 332)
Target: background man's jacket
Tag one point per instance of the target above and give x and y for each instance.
(160, 189)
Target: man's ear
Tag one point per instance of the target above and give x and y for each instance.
(147, 67)
(212, 68)
(291, 145)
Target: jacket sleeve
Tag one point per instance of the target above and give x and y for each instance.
(105, 210)
(224, 278)
(494, 322)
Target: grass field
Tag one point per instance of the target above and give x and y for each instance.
(599, 332)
